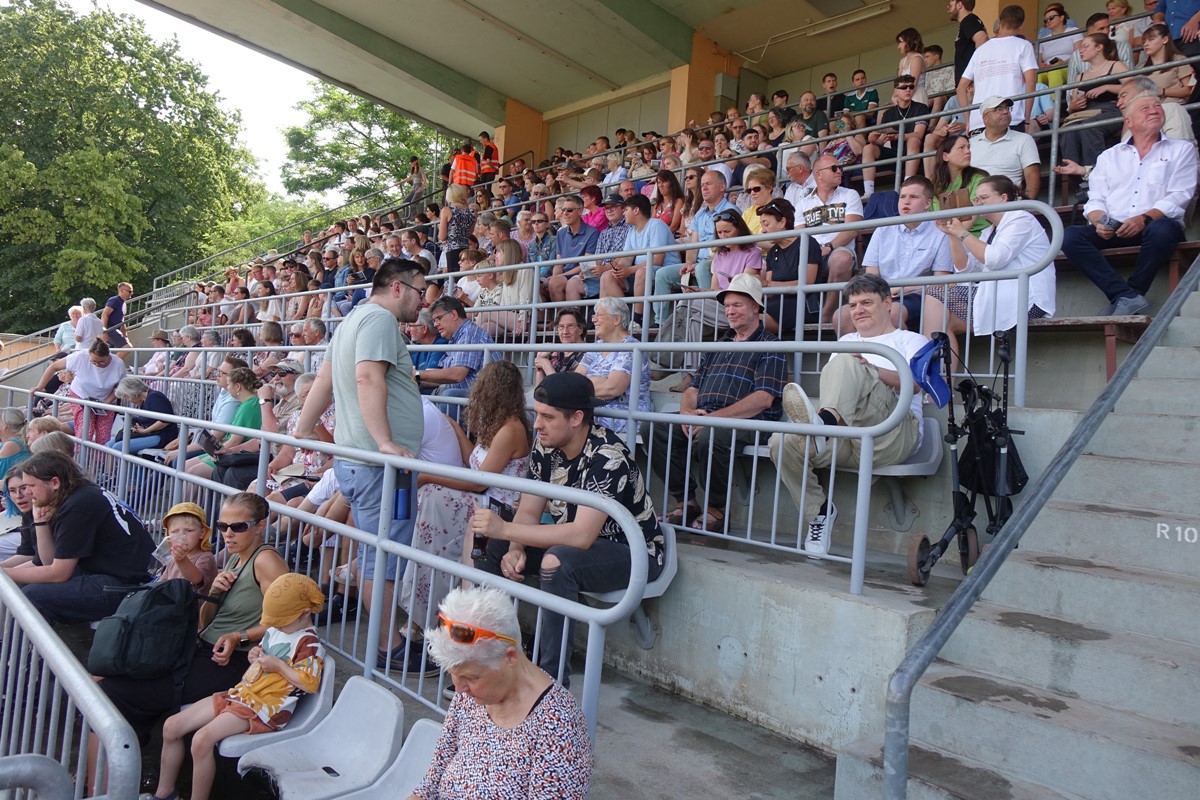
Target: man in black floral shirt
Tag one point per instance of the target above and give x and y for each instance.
(584, 550)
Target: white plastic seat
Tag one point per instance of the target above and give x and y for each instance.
(927, 457)
(310, 710)
(645, 631)
(344, 752)
(409, 768)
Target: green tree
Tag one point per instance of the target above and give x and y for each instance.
(116, 163)
(356, 146)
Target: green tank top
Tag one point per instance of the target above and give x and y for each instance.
(241, 607)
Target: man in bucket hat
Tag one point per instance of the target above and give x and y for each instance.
(730, 382)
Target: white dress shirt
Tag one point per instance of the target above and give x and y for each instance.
(1018, 243)
(898, 251)
(1124, 185)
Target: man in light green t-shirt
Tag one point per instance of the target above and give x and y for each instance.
(368, 374)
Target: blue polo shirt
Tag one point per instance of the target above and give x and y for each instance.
(571, 245)
(705, 224)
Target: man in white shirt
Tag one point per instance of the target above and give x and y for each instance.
(829, 204)
(858, 390)
(1000, 150)
(708, 152)
(800, 176)
(1002, 66)
(908, 250)
(1137, 196)
(410, 245)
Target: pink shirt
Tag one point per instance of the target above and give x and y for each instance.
(727, 266)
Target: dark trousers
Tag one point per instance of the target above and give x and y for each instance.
(1083, 247)
(708, 455)
(603, 567)
(80, 598)
(144, 702)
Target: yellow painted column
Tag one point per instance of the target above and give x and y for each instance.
(692, 85)
(989, 10)
(523, 130)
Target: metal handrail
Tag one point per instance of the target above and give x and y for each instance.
(114, 732)
(904, 679)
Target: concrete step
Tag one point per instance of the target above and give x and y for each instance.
(1146, 675)
(1068, 744)
(1191, 306)
(1097, 593)
(1174, 396)
(1182, 332)
(1171, 362)
(1118, 535)
(933, 774)
(1171, 437)
(1165, 486)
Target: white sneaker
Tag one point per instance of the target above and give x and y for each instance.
(799, 408)
(820, 531)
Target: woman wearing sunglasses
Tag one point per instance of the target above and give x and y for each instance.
(229, 623)
(510, 727)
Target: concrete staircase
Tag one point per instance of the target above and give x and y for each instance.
(1076, 675)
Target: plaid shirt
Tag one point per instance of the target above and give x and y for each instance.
(467, 333)
(726, 376)
(612, 240)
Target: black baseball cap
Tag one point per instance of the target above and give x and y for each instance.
(567, 390)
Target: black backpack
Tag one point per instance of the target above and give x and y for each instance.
(152, 634)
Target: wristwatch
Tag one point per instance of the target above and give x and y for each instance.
(243, 637)
(262, 401)
(1147, 218)
(417, 375)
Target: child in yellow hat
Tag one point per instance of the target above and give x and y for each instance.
(287, 663)
(187, 531)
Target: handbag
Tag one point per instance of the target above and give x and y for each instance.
(957, 198)
(228, 460)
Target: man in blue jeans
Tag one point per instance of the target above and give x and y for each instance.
(368, 373)
(1137, 195)
(583, 550)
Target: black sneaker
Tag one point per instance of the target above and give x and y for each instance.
(416, 652)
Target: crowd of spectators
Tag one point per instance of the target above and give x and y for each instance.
(474, 273)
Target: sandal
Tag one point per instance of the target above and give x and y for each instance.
(710, 521)
(683, 385)
(680, 514)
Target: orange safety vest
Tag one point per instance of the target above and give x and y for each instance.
(488, 163)
(464, 169)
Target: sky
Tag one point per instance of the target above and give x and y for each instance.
(227, 64)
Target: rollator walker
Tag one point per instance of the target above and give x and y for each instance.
(988, 465)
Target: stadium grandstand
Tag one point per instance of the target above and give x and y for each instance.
(693, 361)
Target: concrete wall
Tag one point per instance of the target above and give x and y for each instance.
(779, 640)
(644, 112)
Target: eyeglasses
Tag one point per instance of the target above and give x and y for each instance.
(539, 221)
(236, 527)
(295, 335)
(832, 168)
(754, 189)
(437, 317)
(726, 216)
(705, 147)
(410, 286)
(465, 633)
(906, 87)
(570, 326)
(1046, 19)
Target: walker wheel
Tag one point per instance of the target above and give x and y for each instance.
(919, 564)
(970, 554)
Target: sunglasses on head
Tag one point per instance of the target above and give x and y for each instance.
(236, 527)
(466, 633)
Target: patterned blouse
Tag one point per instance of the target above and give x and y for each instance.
(601, 363)
(547, 755)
